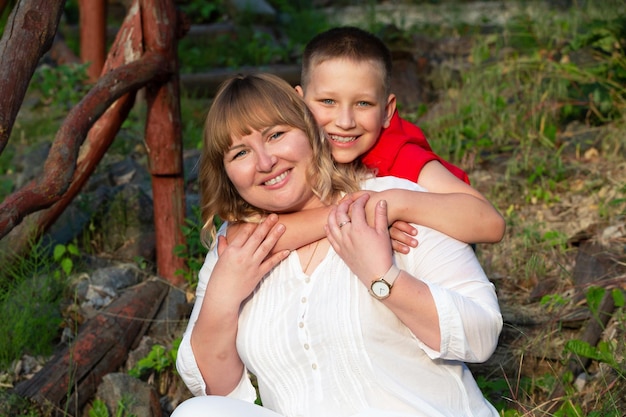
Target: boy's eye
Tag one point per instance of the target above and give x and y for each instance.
(328, 101)
(363, 104)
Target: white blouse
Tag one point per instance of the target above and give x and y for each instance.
(322, 346)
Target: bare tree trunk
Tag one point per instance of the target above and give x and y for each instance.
(93, 35)
(164, 139)
(29, 33)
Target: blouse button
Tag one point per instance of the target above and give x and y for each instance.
(314, 366)
(303, 300)
(306, 346)
(307, 279)
(301, 325)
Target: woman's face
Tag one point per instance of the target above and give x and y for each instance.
(268, 169)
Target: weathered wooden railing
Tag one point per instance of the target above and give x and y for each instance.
(142, 56)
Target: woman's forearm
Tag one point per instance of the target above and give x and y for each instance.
(213, 341)
(412, 302)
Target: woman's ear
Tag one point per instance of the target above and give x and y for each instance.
(299, 90)
(390, 109)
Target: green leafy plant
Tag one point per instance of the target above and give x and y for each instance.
(605, 350)
(62, 254)
(63, 84)
(99, 408)
(203, 11)
(159, 360)
(193, 252)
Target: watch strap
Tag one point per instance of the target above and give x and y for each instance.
(391, 275)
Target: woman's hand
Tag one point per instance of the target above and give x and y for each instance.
(365, 249)
(245, 258)
(402, 233)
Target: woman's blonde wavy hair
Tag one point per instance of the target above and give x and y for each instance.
(254, 102)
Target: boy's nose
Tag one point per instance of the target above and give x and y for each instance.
(345, 119)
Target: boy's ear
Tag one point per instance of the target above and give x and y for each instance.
(390, 109)
(299, 90)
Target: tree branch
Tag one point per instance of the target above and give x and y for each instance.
(29, 33)
(60, 165)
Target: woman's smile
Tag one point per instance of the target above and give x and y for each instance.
(277, 179)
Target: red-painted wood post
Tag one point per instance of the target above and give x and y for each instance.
(164, 139)
(93, 35)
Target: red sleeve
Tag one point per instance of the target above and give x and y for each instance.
(411, 159)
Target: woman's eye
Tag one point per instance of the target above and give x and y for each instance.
(239, 154)
(276, 135)
(328, 101)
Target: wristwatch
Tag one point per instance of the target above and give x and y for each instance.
(380, 288)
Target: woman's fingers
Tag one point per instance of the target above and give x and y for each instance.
(380, 221)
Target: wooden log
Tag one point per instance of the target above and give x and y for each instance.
(206, 83)
(71, 378)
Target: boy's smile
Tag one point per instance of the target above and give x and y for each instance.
(348, 101)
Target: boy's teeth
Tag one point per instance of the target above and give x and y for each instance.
(277, 179)
(342, 139)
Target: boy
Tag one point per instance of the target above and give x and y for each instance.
(346, 82)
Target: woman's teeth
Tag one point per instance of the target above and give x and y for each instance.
(277, 179)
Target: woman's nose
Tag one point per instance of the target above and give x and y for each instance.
(345, 118)
(266, 161)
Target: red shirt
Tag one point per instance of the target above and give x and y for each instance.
(402, 150)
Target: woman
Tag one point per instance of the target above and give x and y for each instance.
(340, 327)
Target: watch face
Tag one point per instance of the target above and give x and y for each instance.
(380, 289)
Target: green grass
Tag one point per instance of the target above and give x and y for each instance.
(510, 111)
(31, 292)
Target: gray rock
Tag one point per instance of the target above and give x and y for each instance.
(169, 322)
(138, 397)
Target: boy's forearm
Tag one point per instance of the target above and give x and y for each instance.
(461, 216)
(302, 228)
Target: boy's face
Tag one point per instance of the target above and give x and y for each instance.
(348, 101)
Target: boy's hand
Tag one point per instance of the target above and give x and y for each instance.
(402, 239)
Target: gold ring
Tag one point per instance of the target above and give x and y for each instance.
(342, 224)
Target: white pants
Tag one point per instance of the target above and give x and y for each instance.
(216, 406)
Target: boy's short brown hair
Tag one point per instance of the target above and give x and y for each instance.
(347, 42)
